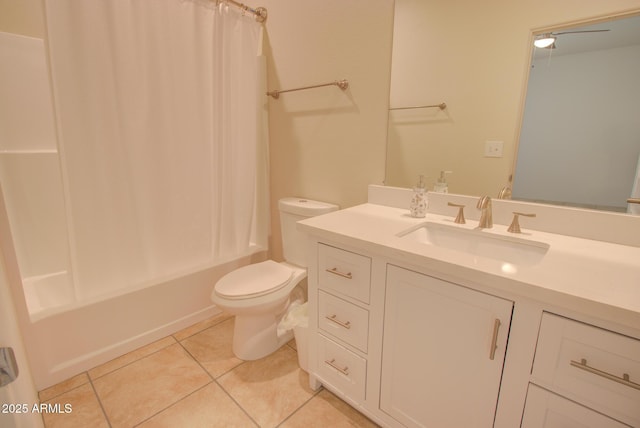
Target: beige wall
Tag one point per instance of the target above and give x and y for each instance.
(24, 17)
(327, 144)
(475, 58)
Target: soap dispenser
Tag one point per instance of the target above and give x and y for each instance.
(418, 205)
(441, 185)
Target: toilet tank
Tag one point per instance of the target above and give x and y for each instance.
(292, 210)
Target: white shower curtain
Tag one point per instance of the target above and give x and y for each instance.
(158, 106)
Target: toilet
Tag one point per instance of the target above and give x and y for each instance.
(258, 294)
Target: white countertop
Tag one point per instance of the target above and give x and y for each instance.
(598, 278)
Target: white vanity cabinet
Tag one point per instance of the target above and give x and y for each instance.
(340, 306)
(443, 351)
(418, 352)
(413, 333)
(585, 374)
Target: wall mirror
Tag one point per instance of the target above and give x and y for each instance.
(577, 142)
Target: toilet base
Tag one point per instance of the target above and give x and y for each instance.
(255, 336)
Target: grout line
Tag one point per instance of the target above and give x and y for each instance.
(215, 380)
(201, 330)
(106, 417)
(174, 403)
(197, 362)
(236, 403)
(66, 390)
(131, 362)
(315, 393)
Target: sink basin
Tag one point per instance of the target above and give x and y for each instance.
(512, 251)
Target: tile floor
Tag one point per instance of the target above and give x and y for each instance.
(192, 379)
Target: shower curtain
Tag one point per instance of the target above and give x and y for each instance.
(158, 106)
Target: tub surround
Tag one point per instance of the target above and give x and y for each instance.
(589, 275)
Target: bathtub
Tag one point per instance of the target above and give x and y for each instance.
(73, 340)
(47, 294)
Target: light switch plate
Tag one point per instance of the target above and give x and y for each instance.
(493, 149)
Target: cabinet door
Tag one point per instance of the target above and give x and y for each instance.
(443, 352)
(545, 409)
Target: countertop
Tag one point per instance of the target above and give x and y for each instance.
(597, 278)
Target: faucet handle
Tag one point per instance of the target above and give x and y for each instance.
(515, 224)
(460, 217)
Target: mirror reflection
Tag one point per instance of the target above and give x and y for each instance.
(580, 137)
(484, 86)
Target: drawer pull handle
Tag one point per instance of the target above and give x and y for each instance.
(623, 380)
(332, 363)
(335, 271)
(335, 319)
(494, 339)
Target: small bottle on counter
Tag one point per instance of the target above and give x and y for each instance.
(418, 205)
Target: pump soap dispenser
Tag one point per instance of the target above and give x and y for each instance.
(418, 205)
(441, 185)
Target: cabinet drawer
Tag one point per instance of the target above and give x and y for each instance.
(341, 368)
(593, 366)
(345, 272)
(545, 409)
(343, 320)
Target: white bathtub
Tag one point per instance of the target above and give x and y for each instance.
(47, 294)
(72, 341)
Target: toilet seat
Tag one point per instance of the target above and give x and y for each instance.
(253, 280)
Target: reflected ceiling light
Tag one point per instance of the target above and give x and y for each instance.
(544, 41)
(548, 40)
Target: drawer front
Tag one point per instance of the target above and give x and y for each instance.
(344, 272)
(593, 366)
(343, 320)
(341, 368)
(545, 409)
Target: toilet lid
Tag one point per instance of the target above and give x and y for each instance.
(253, 280)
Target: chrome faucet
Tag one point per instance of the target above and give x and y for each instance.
(486, 218)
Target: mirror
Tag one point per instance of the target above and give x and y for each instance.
(580, 136)
(478, 64)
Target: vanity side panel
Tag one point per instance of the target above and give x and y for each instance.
(525, 324)
(312, 292)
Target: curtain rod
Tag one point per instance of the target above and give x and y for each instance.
(260, 12)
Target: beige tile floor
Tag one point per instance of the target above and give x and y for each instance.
(192, 379)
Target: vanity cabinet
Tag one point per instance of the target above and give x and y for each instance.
(583, 373)
(546, 409)
(415, 335)
(422, 352)
(443, 351)
(341, 303)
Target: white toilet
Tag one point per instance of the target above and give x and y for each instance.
(258, 294)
